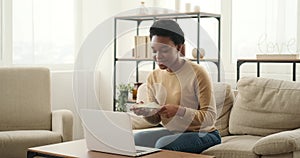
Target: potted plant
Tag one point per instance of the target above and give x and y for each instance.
(123, 96)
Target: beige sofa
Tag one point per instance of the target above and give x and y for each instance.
(262, 121)
(26, 119)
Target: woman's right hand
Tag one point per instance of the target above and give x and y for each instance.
(146, 112)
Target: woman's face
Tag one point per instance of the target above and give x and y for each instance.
(165, 51)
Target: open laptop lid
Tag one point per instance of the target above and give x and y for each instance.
(108, 131)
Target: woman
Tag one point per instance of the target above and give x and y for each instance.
(184, 92)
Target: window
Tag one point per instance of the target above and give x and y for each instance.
(263, 27)
(43, 32)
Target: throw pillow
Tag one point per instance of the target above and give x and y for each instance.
(265, 106)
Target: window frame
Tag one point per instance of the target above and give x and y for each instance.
(234, 53)
(6, 35)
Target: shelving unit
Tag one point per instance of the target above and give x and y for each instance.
(140, 18)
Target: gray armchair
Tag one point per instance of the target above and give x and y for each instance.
(26, 119)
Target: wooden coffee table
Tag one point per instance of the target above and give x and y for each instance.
(78, 149)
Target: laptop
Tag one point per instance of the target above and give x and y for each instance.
(111, 132)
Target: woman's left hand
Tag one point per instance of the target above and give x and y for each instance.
(168, 110)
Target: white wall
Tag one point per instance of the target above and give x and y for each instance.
(228, 68)
(90, 13)
(94, 12)
(62, 97)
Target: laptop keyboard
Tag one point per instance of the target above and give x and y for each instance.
(140, 151)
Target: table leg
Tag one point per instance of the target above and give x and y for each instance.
(31, 154)
(258, 69)
(294, 71)
(238, 64)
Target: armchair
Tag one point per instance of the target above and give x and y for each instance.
(26, 119)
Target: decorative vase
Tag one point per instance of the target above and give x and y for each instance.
(142, 10)
(135, 89)
(201, 53)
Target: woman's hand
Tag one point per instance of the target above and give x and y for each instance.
(146, 112)
(169, 110)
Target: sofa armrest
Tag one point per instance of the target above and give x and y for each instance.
(62, 122)
(278, 143)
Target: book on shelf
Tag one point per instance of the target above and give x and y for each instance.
(277, 56)
(142, 47)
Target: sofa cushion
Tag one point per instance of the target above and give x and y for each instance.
(234, 147)
(265, 106)
(224, 100)
(289, 155)
(16, 143)
(25, 99)
(278, 143)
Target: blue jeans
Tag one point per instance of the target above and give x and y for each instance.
(193, 142)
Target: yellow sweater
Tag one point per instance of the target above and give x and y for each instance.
(190, 87)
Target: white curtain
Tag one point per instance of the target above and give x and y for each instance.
(43, 31)
(1, 34)
(263, 27)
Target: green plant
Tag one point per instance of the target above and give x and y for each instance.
(125, 87)
(123, 96)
